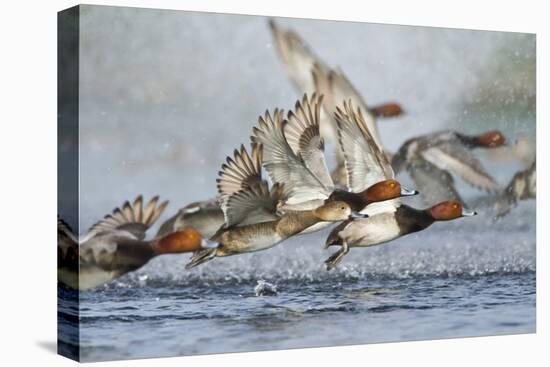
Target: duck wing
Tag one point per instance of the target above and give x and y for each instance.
(336, 89)
(201, 215)
(65, 235)
(436, 185)
(297, 58)
(302, 133)
(244, 196)
(366, 163)
(241, 172)
(455, 158)
(299, 62)
(284, 166)
(255, 205)
(133, 218)
(67, 246)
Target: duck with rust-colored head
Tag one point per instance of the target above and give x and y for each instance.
(387, 219)
(387, 226)
(433, 159)
(116, 245)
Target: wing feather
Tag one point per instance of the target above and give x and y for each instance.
(303, 135)
(245, 197)
(239, 173)
(283, 165)
(366, 163)
(337, 89)
(297, 58)
(132, 218)
(459, 161)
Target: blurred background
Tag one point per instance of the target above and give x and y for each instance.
(165, 96)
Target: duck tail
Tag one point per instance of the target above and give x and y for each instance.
(201, 256)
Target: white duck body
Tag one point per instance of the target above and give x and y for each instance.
(371, 231)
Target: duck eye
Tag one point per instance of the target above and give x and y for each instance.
(343, 208)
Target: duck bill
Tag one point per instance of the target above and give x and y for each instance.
(408, 192)
(356, 214)
(468, 213)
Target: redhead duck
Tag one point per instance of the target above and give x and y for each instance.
(204, 216)
(294, 155)
(366, 163)
(252, 222)
(116, 245)
(523, 186)
(387, 226)
(309, 74)
(432, 159)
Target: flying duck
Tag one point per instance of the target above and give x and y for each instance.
(431, 160)
(116, 245)
(366, 163)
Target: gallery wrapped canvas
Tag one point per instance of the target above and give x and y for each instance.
(231, 183)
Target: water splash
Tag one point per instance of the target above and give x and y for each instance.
(264, 288)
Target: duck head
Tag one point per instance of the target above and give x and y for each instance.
(449, 210)
(335, 211)
(491, 139)
(386, 190)
(387, 110)
(186, 240)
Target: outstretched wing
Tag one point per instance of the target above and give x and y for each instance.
(455, 158)
(366, 163)
(299, 62)
(67, 246)
(132, 218)
(303, 135)
(241, 172)
(337, 89)
(283, 165)
(65, 234)
(296, 57)
(244, 196)
(256, 205)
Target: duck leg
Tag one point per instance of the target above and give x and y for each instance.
(201, 256)
(335, 258)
